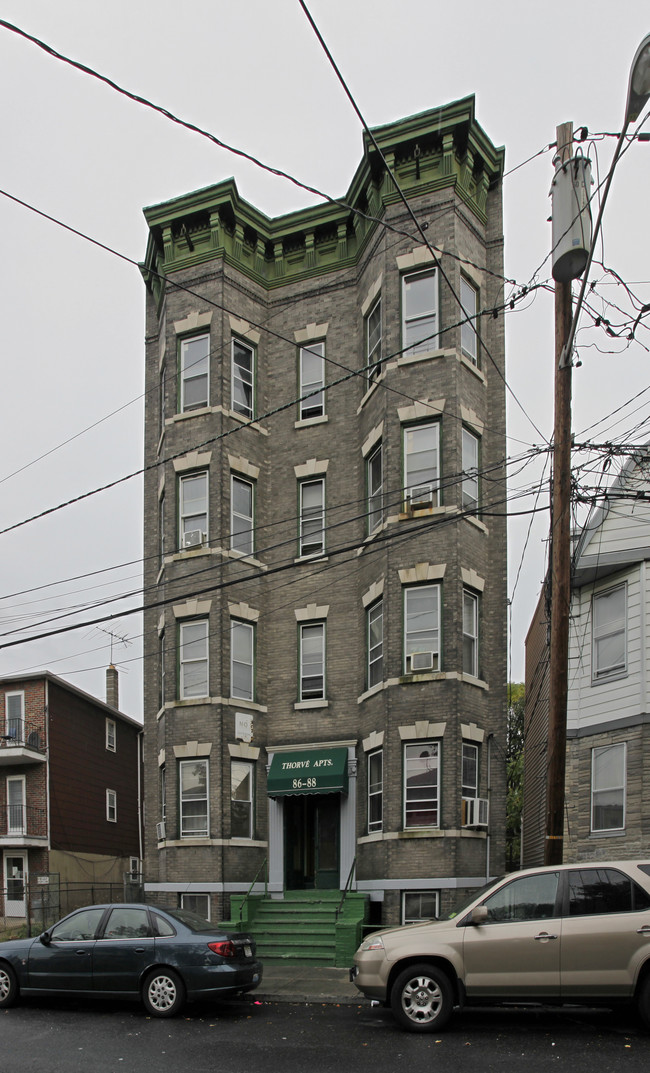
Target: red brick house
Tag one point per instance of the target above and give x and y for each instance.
(69, 788)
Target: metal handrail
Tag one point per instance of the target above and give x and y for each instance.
(345, 889)
(266, 882)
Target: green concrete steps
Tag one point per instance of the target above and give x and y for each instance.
(302, 927)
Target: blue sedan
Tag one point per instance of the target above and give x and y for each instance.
(162, 957)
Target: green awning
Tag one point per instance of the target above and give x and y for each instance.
(308, 771)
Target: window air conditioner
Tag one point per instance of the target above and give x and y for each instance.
(475, 812)
(421, 661)
(420, 497)
(160, 831)
(193, 538)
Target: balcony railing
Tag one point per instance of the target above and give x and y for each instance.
(25, 821)
(20, 733)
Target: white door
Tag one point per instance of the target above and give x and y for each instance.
(15, 878)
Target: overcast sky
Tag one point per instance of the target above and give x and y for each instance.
(253, 73)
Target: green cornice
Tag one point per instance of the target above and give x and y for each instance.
(444, 147)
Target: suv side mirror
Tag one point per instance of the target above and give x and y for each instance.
(479, 915)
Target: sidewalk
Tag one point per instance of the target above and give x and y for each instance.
(306, 983)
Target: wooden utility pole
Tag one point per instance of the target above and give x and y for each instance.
(560, 558)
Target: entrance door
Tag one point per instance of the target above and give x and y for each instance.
(14, 883)
(311, 838)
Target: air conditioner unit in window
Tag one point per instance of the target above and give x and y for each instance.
(475, 812)
(420, 497)
(420, 661)
(160, 831)
(193, 538)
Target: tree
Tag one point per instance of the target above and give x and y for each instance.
(514, 772)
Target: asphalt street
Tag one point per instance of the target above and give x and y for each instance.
(253, 1035)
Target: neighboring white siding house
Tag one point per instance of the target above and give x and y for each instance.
(608, 720)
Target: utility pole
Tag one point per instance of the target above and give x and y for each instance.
(560, 557)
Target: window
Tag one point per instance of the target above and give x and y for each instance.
(468, 336)
(161, 532)
(420, 312)
(609, 615)
(162, 399)
(528, 898)
(375, 791)
(422, 629)
(312, 381)
(15, 715)
(594, 891)
(373, 342)
(470, 489)
(312, 517)
(608, 764)
(193, 779)
(375, 618)
(470, 633)
(161, 680)
(241, 799)
(419, 905)
(193, 509)
(242, 639)
(421, 785)
(193, 651)
(111, 806)
(422, 465)
(196, 903)
(375, 481)
(78, 928)
(469, 774)
(312, 661)
(241, 515)
(195, 368)
(243, 367)
(163, 793)
(126, 922)
(110, 735)
(17, 818)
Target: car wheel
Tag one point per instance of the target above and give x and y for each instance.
(163, 993)
(643, 1000)
(8, 985)
(422, 999)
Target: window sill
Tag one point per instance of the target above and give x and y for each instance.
(473, 520)
(471, 680)
(471, 367)
(371, 692)
(317, 557)
(371, 390)
(305, 705)
(620, 833)
(426, 355)
(309, 422)
(615, 676)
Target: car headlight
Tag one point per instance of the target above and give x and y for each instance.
(373, 942)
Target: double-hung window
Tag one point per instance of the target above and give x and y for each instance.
(193, 798)
(111, 741)
(162, 667)
(161, 532)
(193, 659)
(422, 629)
(608, 765)
(375, 791)
(241, 799)
(312, 661)
(470, 490)
(468, 334)
(243, 372)
(375, 619)
(193, 509)
(312, 517)
(469, 775)
(420, 312)
(609, 634)
(242, 645)
(420, 905)
(422, 785)
(111, 806)
(241, 515)
(162, 398)
(373, 342)
(470, 633)
(195, 372)
(15, 715)
(422, 465)
(312, 381)
(375, 482)
(17, 813)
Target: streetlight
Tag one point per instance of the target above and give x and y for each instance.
(565, 330)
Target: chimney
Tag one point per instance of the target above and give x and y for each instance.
(112, 687)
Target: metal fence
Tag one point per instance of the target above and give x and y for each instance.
(45, 899)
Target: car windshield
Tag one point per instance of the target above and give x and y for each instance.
(192, 921)
(465, 901)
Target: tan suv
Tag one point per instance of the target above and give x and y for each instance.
(570, 933)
